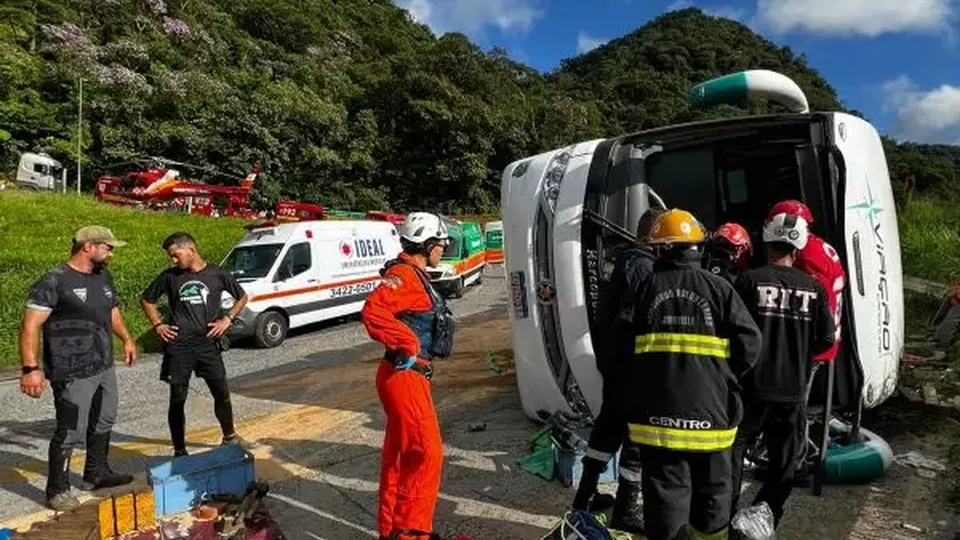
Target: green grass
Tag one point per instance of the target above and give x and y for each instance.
(35, 233)
(930, 240)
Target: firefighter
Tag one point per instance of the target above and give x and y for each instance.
(792, 311)
(819, 259)
(728, 251)
(691, 339)
(633, 265)
(412, 321)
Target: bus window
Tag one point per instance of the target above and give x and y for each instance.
(686, 179)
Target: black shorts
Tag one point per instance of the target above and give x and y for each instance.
(176, 368)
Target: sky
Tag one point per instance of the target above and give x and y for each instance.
(896, 61)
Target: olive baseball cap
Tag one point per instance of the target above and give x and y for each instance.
(95, 234)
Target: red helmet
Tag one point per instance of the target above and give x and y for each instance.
(792, 207)
(739, 240)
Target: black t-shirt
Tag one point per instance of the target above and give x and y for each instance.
(77, 335)
(195, 299)
(793, 314)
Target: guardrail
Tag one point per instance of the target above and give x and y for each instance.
(925, 286)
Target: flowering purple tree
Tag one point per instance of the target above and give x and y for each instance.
(175, 27)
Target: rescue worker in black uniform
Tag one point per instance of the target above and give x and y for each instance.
(728, 251)
(793, 312)
(633, 265)
(691, 340)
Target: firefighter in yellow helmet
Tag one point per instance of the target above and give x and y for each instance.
(683, 347)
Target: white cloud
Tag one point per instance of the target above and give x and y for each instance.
(473, 16)
(727, 12)
(586, 43)
(931, 116)
(858, 17)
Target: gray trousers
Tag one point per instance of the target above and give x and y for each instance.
(84, 407)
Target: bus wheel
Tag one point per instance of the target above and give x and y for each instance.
(271, 329)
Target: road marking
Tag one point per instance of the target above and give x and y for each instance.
(321, 513)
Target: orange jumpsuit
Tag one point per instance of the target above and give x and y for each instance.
(412, 450)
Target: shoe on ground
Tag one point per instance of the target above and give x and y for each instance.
(239, 441)
(109, 479)
(61, 502)
(180, 453)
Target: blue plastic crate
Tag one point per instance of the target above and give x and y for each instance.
(179, 483)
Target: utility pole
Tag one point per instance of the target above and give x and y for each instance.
(79, 136)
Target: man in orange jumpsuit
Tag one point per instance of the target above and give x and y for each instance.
(412, 321)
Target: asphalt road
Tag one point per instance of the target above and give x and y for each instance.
(311, 406)
(141, 432)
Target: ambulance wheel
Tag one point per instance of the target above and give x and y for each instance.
(271, 329)
(458, 289)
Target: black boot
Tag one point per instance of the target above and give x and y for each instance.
(592, 469)
(628, 508)
(96, 472)
(58, 493)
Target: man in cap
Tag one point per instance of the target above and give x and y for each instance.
(75, 308)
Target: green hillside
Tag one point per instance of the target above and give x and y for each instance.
(352, 104)
(347, 102)
(35, 233)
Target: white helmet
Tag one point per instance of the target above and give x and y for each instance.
(788, 229)
(419, 227)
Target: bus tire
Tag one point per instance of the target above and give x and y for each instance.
(270, 330)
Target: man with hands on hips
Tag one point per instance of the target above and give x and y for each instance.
(192, 335)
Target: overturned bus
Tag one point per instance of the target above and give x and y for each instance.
(568, 210)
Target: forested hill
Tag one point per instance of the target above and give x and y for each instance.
(349, 102)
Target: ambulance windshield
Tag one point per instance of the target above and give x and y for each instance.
(252, 262)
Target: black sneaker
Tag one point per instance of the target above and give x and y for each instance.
(180, 452)
(108, 479)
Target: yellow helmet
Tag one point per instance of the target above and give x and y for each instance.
(676, 226)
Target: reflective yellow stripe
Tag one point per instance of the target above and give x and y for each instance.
(699, 344)
(704, 440)
(697, 535)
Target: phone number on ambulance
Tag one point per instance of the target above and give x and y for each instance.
(350, 290)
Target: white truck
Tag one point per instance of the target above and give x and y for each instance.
(40, 172)
(567, 209)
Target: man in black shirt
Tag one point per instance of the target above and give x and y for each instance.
(191, 335)
(633, 266)
(792, 310)
(76, 308)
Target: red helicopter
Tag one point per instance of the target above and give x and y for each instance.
(158, 186)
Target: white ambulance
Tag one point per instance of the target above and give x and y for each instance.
(568, 209)
(306, 272)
